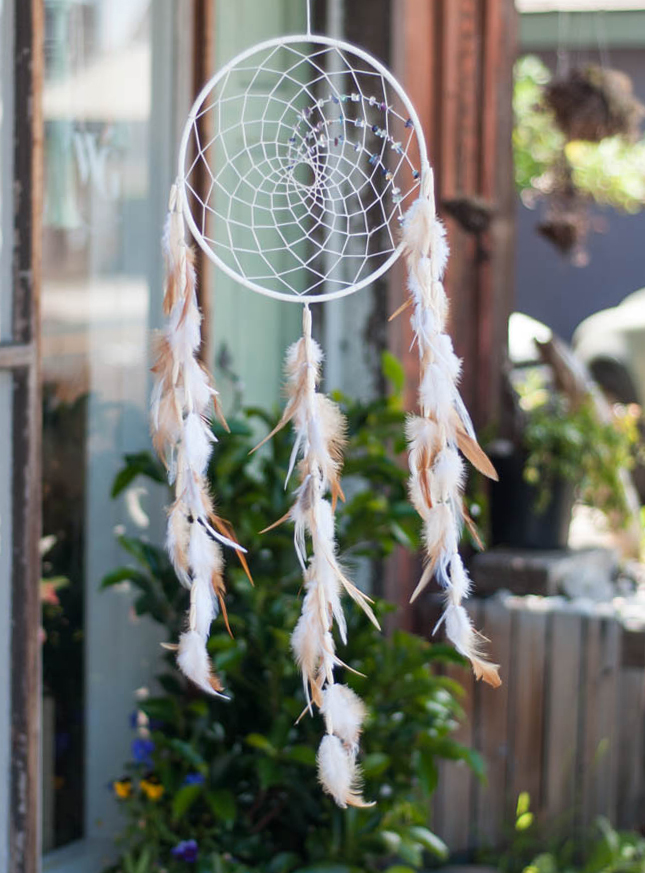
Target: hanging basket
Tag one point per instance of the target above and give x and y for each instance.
(592, 103)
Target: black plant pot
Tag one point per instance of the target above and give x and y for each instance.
(515, 521)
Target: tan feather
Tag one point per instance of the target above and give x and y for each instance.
(475, 454)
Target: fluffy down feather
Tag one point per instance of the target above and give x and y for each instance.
(193, 661)
(338, 773)
(344, 713)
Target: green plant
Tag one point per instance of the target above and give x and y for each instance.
(239, 778)
(534, 849)
(610, 172)
(571, 442)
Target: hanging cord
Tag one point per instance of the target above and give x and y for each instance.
(308, 17)
(562, 65)
(601, 37)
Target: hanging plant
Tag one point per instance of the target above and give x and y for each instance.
(592, 103)
(575, 143)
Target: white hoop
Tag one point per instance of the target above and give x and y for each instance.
(298, 189)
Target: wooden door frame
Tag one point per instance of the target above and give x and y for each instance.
(21, 357)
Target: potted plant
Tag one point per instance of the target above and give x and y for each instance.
(564, 451)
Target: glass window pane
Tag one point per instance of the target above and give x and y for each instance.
(100, 247)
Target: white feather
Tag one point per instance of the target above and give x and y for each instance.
(203, 606)
(437, 527)
(194, 661)
(204, 555)
(439, 249)
(198, 442)
(459, 630)
(444, 352)
(336, 769)
(344, 713)
(436, 392)
(459, 581)
(447, 474)
(417, 227)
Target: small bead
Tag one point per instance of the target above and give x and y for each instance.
(395, 190)
(355, 98)
(389, 176)
(358, 122)
(383, 107)
(344, 98)
(373, 159)
(335, 140)
(372, 101)
(320, 103)
(409, 123)
(335, 98)
(292, 139)
(416, 174)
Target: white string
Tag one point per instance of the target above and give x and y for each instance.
(312, 149)
(309, 17)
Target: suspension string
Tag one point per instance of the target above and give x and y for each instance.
(308, 17)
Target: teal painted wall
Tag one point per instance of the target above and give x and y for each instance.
(250, 333)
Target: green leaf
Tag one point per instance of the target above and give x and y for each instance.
(222, 802)
(523, 803)
(259, 741)
(142, 464)
(125, 574)
(302, 755)
(524, 821)
(375, 764)
(431, 842)
(393, 370)
(184, 799)
(400, 868)
(188, 752)
(327, 868)
(428, 772)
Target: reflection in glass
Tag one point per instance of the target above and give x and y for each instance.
(94, 342)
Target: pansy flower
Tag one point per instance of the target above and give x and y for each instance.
(187, 850)
(142, 749)
(194, 779)
(123, 787)
(152, 787)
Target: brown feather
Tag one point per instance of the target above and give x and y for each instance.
(401, 309)
(226, 529)
(475, 454)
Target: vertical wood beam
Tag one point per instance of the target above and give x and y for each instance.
(203, 68)
(24, 841)
(455, 59)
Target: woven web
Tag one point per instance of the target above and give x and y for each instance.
(310, 161)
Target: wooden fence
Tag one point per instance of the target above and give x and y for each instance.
(566, 726)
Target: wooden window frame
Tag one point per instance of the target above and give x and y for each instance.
(21, 357)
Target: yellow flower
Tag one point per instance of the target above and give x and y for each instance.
(123, 788)
(152, 788)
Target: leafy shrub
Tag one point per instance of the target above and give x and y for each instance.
(232, 787)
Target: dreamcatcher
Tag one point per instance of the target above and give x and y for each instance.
(317, 181)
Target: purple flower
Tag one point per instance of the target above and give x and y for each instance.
(187, 850)
(142, 749)
(194, 779)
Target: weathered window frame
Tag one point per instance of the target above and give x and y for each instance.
(20, 356)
